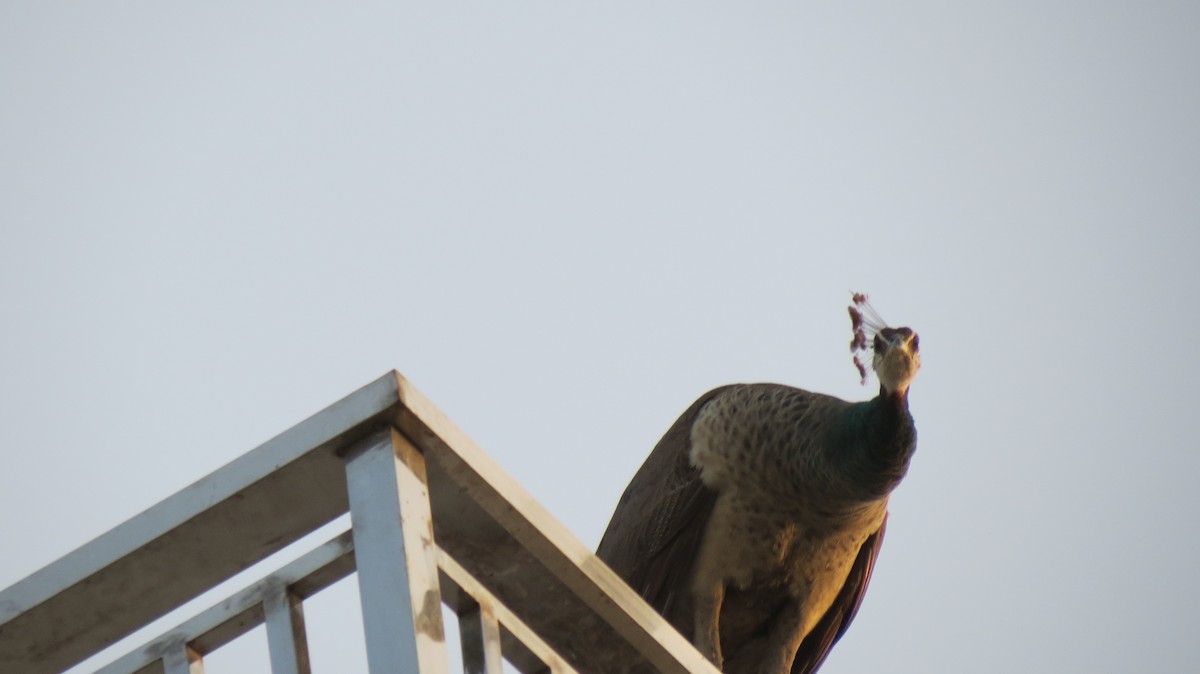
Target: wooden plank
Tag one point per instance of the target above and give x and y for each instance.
(397, 570)
(189, 542)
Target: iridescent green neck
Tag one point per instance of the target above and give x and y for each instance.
(873, 444)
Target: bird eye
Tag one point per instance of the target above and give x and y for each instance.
(916, 342)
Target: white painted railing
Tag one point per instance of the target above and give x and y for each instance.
(433, 521)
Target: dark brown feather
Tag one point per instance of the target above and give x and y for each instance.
(656, 529)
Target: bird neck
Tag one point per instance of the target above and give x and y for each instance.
(875, 445)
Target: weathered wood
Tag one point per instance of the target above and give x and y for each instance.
(242, 612)
(182, 660)
(286, 638)
(394, 553)
(479, 636)
(532, 563)
(516, 653)
(520, 645)
(188, 543)
(293, 484)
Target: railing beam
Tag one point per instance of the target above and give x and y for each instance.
(395, 556)
(525, 650)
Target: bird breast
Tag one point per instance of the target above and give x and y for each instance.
(749, 544)
(779, 518)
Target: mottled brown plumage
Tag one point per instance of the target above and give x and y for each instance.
(754, 524)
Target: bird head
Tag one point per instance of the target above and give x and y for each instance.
(895, 356)
(896, 359)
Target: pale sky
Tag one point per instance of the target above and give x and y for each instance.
(563, 223)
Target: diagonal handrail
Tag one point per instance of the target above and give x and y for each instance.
(489, 528)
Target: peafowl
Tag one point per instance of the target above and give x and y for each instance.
(755, 523)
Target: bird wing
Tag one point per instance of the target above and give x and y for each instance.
(655, 532)
(816, 646)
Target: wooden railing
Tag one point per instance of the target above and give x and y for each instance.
(433, 521)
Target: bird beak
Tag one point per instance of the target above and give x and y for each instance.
(907, 340)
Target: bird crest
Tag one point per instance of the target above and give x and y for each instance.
(872, 333)
(863, 319)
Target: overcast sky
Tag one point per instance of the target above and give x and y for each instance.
(563, 223)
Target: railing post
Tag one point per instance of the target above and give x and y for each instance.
(480, 635)
(395, 555)
(182, 660)
(286, 639)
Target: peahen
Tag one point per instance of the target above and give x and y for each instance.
(754, 525)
